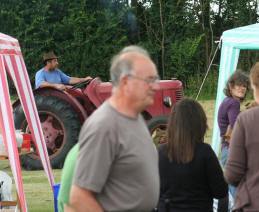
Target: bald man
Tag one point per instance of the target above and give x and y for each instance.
(117, 165)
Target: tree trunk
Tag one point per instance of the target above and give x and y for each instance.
(162, 39)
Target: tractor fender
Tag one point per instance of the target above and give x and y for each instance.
(72, 101)
(98, 91)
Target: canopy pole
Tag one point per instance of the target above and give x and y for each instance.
(207, 71)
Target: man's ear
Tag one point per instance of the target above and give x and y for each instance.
(124, 80)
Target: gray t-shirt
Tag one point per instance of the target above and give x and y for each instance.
(118, 161)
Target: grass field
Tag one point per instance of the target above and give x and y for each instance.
(208, 106)
(37, 190)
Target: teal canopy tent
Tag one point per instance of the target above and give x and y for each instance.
(234, 40)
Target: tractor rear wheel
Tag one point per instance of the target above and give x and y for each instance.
(60, 125)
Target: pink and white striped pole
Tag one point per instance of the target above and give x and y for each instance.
(11, 61)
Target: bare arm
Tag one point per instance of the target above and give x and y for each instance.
(75, 80)
(52, 85)
(82, 200)
(228, 133)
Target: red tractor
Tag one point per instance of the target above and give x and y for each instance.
(62, 114)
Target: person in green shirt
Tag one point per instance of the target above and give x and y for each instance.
(67, 177)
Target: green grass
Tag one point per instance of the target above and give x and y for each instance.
(209, 106)
(209, 89)
(38, 192)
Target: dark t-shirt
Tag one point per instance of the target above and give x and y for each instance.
(227, 114)
(192, 186)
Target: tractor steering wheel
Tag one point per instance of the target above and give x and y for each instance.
(80, 84)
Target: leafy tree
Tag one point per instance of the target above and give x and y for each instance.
(85, 34)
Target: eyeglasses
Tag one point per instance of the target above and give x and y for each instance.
(149, 80)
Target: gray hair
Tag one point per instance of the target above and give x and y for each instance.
(122, 66)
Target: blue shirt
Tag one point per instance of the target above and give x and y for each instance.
(55, 77)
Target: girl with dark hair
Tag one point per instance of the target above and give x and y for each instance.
(190, 174)
(235, 91)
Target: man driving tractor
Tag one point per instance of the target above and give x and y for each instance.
(51, 76)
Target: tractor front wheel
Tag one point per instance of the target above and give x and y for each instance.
(60, 125)
(157, 127)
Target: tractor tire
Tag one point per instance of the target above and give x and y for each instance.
(60, 125)
(157, 127)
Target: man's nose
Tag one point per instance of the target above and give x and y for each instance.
(155, 86)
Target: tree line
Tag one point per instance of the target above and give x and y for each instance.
(179, 34)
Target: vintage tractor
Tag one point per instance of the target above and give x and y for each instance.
(62, 114)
